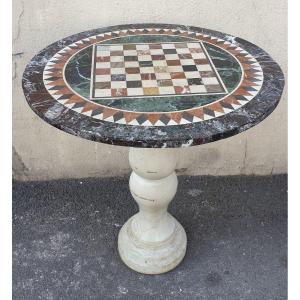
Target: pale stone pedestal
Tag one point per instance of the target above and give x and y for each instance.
(152, 241)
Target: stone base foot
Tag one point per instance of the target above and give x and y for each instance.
(152, 257)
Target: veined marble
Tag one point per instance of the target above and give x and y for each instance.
(153, 85)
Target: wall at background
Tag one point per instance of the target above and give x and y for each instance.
(42, 152)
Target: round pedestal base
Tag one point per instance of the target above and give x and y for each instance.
(152, 257)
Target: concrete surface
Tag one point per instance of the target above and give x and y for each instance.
(42, 152)
(65, 237)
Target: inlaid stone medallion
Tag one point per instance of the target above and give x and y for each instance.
(128, 84)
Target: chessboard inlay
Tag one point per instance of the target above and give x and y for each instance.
(153, 69)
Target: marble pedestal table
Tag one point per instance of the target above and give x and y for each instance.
(152, 87)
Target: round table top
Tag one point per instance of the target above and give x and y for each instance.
(153, 85)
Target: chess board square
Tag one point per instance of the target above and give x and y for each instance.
(198, 89)
(181, 45)
(175, 62)
(120, 64)
(118, 84)
(196, 50)
(118, 77)
(147, 69)
(168, 46)
(144, 58)
(194, 81)
(130, 58)
(102, 92)
(187, 62)
(177, 75)
(175, 69)
(159, 63)
(103, 71)
(170, 51)
(180, 82)
(192, 74)
(165, 90)
(156, 51)
(117, 71)
(157, 57)
(194, 45)
(103, 85)
(210, 80)
(204, 68)
(131, 64)
(100, 48)
(183, 51)
(155, 46)
(189, 68)
(214, 88)
(102, 65)
(164, 82)
(119, 92)
(151, 90)
(182, 90)
(142, 47)
(102, 78)
(163, 76)
(200, 61)
(198, 55)
(171, 56)
(130, 47)
(134, 70)
(133, 77)
(143, 52)
(117, 53)
(135, 91)
(130, 52)
(134, 84)
(161, 69)
(207, 74)
(149, 76)
(103, 53)
(103, 58)
(114, 47)
(185, 56)
(116, 58)
(146, 63)
(149, 83)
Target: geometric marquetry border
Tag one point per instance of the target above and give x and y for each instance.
(55, 83)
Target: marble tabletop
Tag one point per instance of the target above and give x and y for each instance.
(153, 85)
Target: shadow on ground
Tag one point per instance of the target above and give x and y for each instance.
(65, 237)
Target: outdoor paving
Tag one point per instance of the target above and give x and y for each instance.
(65, 238)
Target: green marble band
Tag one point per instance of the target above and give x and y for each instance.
(78, 74)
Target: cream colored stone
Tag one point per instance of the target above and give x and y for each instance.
(151, 168)
(152, 241)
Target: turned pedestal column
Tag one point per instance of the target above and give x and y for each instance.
(152, 241)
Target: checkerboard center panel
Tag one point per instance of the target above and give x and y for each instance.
(157, 69)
